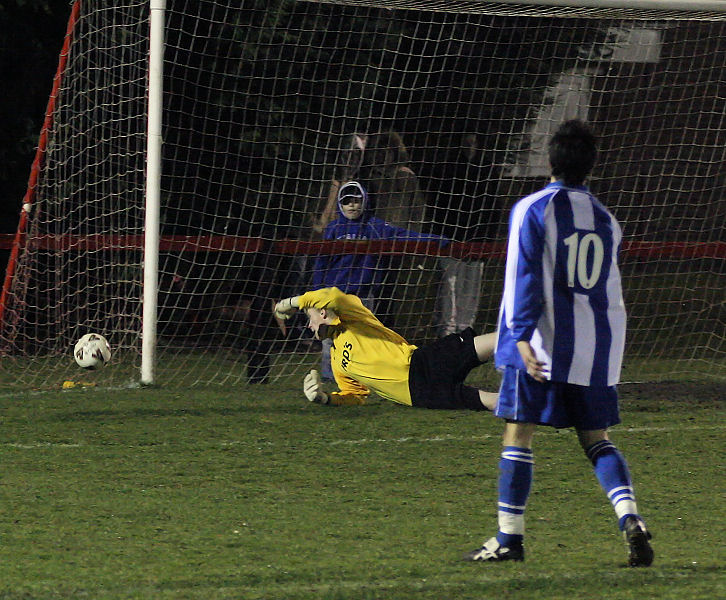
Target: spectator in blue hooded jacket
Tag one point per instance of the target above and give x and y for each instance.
(358, 274)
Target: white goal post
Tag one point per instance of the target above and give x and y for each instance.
(153, 191)
(192, 152)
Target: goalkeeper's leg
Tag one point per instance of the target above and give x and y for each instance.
(488, 399)
(484, 345)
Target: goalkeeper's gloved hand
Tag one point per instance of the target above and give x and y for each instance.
(284, 309)
(312, 386)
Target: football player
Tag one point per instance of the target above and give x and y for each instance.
(560, 342)
(367, 356)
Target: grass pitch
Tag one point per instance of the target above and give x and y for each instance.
(254, 493)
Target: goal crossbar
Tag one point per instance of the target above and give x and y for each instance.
(636, 9)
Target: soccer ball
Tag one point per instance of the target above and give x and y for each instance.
(92, 351)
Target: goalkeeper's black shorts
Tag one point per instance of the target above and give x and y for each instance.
(438, 370)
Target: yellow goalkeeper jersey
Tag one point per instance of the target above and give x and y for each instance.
(366, 356)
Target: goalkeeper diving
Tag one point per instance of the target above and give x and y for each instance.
(368, 357)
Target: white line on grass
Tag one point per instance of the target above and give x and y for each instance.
(487, 436)
(359, 442)
(32, 445)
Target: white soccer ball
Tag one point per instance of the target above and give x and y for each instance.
(92, 351)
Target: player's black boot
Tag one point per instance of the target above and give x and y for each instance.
(492, 551)
(637, 536)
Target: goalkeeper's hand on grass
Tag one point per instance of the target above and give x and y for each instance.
(312, 387)
(284, 309)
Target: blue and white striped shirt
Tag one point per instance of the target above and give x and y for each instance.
(562, 288)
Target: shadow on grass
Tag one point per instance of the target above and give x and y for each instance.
(300, 410)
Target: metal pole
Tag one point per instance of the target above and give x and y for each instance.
(153, 193)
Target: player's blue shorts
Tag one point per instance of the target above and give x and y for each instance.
(523, 399)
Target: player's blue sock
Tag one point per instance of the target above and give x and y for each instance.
(612, 473)
(515, 480)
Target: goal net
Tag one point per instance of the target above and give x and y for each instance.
(441, 110)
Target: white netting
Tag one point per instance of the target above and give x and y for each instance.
(442, 115)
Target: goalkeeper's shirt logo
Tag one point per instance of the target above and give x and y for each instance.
(345, 359)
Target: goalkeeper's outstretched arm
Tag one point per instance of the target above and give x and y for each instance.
(284, 309)
(313, 390)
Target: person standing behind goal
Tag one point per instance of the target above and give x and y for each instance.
(560, 342)
(359, 274)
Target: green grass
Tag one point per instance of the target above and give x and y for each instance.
(254, 493)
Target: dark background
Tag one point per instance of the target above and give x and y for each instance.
(31, 37)
(287, 92)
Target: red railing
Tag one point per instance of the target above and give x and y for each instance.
(220, 243)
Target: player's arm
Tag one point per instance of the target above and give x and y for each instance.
(287, 307)
(529, 291)
(535, 368)
(341, 399)
(351, 393)
(329, 210)
(313, 388)
(342, 304)
(323, 298)
(528, 276)
(334, 299)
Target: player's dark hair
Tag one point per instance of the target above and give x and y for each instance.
(572, 152)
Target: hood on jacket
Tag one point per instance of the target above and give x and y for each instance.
(355, 189)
